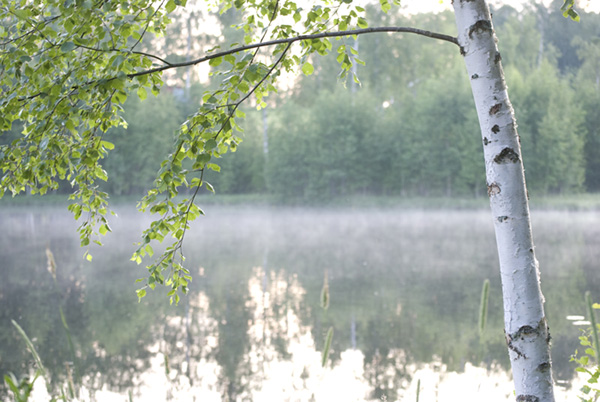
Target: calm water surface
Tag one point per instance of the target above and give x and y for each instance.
(404, 291)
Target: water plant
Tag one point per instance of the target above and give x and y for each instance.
(22, 388)
(588, 363)
(325, 306)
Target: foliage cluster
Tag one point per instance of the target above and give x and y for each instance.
(68, 67)
(590, 390)
(588, 363)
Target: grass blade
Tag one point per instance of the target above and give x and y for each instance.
(325, 293)
(483, 306)
(31, 348)
(327, 347)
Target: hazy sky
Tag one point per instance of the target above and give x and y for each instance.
(414, 6)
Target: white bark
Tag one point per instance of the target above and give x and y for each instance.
(525, 324)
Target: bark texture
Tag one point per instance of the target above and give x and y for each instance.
(527, 334)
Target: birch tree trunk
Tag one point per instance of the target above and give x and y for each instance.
(525, 326)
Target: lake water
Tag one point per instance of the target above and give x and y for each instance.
(404, 287)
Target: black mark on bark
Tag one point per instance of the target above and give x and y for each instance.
(497, 58)
(543, 367)
(493, 189)
(496, 129)
(480, 27)
(517, 351)
(548, 336)
(486, 141)
(502, 218)
(525, 330)
(527, 398)
(474, 76)
(509, 343)
(495, 109)
(507, 155)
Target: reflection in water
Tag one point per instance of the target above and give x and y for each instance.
(404, 297)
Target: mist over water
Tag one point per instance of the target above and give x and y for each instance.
(404, 290)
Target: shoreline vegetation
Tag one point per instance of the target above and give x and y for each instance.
(570, 202)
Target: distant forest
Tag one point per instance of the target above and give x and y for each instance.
(409, 129)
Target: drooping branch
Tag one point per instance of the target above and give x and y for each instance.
(416, 31)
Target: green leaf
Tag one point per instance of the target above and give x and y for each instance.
(140, 293)
(213, 166)
(210, 144)
(117, 83)
(243, 87)
(170, 6)
(308, 68)
(150, 252)
(104, 229)
(107, 145)
(573, 15)
(215, 62)
(568, 11)
(66, 47)
(362, 23)
(141, 93)
(21, 13)
(567, 4)
(385, 6)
